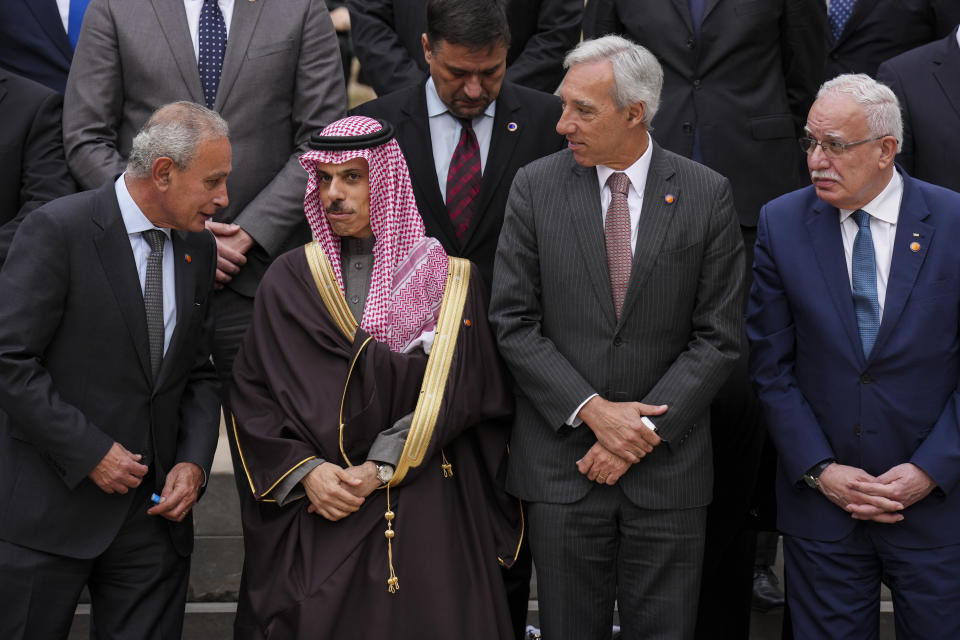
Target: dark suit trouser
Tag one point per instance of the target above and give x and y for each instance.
(602, 549)
(833, 588)
(138, 586)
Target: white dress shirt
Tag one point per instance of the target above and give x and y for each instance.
(193, 9)
(445, 134)
(136, 223)
(884, 212)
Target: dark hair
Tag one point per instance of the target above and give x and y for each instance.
(475, 24)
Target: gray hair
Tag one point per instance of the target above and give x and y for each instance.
(637, 75)
(879, 103)
(174, 131)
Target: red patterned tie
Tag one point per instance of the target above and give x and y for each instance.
(463, 178)
(616, 229)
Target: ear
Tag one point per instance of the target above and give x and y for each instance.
(427, 52)
(163, 168)
(888, 151)
(635, 113)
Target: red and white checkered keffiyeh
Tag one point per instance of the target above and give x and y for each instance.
(409, 269)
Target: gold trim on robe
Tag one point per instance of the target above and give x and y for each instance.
(243, 461)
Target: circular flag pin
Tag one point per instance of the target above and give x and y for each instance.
(669, 198)
(914, 246)
(512, 127)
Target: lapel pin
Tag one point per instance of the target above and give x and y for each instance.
(914, 246)
(669, 198)
(187, 257)
(917, 235)
(512, 127)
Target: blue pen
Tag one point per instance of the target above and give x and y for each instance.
(154, 498)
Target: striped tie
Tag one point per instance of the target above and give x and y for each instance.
(616, 229)
(463, 179)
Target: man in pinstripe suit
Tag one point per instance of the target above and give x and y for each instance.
(617, 306)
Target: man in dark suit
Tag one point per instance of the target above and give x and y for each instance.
(31, 153)
(107, 391)
(864, 33)
(854, 325)
(466, 48)
(738, 82)
(280, 82)
(926, 81)
(616, 296)
(387, 33)
(34, 42)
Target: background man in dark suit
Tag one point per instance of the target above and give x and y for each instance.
(854, 325)
(34, 42)
(280, 82)
(107, 390)
(597, 340)
(738, 82)
(926, 81)
(864, 33)
(466, 46)
(386, 40)
(31, 152)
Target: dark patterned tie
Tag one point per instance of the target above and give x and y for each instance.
(153, 297)
(463, 178)
(213, 44)
(840, 11)
(864, 270)
(616, 229)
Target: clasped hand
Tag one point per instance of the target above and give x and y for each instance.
(622, 439)
(336, 492)
(881, 498)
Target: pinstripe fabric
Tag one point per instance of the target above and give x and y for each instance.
(603, 548)
(674, 343)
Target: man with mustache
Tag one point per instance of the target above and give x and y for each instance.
(854, 325)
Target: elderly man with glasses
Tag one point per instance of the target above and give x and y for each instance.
(854, 324)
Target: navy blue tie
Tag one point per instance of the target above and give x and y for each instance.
(840, 11)
(213, 44)
(697, 7)
(864, 268)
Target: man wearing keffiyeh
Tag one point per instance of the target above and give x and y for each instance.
(370, 412)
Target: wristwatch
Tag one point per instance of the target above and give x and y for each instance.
(384, 472)
(812, 476)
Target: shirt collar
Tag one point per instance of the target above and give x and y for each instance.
(637, 172)
(435, 106)
(886, 206)
(133, 218)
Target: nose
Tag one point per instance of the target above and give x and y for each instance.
(222, 199)
(335, 191)
(564, 125)
(817, 158)
(472, 87)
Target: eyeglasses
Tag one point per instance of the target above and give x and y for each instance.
(832, 148)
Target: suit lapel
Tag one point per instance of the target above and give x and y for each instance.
(827, 244)
(245, 16)
(948, 70)
(419, 154)
(582, 191)
(683, 8)
(116, 257)
(656, 215)
(47, 14)
(185, 276)
(173, 22)
(503, 143)
(905, 263)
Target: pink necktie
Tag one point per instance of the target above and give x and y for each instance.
(616, 229)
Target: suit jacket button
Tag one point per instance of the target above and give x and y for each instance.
(865, 378)
(617, 341)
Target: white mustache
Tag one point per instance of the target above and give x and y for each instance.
(825, 174)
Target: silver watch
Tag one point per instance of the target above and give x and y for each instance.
(384, 472)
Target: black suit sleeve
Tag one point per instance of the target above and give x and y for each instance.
(540, 64)
(387, 64)
(43, 167)
(34, 286)
(888, 74)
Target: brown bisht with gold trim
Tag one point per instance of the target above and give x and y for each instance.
(305, 363)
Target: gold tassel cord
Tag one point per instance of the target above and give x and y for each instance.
(445, 465)
(393, 582)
